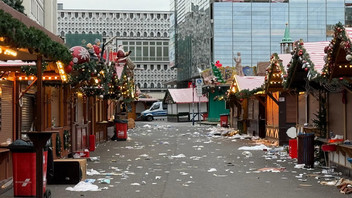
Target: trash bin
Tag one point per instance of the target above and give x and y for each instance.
(224, 120)
(292, 148)
(306, 149)
(121, 129)
(24, 168)
(91, 142)
(205, 116)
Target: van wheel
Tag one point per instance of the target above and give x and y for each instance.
(149, 118)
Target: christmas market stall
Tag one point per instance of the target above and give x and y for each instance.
(303, 82)
(27, 109)
(278, 103)
(337, 75)
(247, 105)
(217, 81)
(180, 105)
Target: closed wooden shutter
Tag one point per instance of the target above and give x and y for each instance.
(291, 109)
(27, 112)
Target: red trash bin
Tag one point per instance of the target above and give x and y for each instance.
(24, 170)
(91, 142)
(292, 148)
(224, 120)
(205, 116)
(121, 129)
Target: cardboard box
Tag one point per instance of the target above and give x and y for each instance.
(82, 163)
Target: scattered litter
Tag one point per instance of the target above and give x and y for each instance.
(135, 184)
(157, 177)
(183, 173)
(147, 126)
(93, 159)
(212, 170)
(273, 170)
(91, 172)
(104, 181)
(306, 185)
(254, 148)
(247, 154)
(89, 181)
(178, 156)
(299, 166)
(83, 186)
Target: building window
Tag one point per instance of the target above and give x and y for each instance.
(158, 67)
(159, 85)
(145, 67)
(165, 67)
(152, 85)
(145, 85)
(152, 67)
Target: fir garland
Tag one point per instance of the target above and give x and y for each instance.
(243, 94)
(340, 38)
(67, 140)
(18, 35)
(275, 67)
(58, 145)
(300, 62)
(32, 70)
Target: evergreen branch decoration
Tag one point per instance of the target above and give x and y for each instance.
(18, 35)
(300, 62)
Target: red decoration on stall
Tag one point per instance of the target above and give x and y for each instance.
(80, 55)
(68, 69)
(218, 64)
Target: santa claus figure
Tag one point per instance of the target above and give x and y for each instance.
(97, 48)
(121, 58)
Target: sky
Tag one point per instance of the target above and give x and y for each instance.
(157, 5)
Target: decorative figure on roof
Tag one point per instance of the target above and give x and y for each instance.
(238, 61)
(121, 58)
(97, 48)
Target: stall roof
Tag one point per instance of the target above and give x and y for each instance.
(316, 53)
(249, 82)
(184, 96)
(286, 58)
(349, 33)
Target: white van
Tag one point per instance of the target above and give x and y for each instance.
(158, 109)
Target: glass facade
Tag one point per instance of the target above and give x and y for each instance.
(255, 28)
(192, 37)
(147, 50)
(211, 30)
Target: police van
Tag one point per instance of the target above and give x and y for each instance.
(157, 110)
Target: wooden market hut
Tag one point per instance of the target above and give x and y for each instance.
(180, 102)
(280, 105)
(247, 106)
(338, 73)
(302, 81)
(24, 99)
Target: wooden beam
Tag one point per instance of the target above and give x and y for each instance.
(25, 91)
(39, 96)
(273, 98)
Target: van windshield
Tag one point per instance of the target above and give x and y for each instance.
(155, 106)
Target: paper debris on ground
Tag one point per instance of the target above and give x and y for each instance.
(254, 148)
(83, 186)
(270, 169)
(91, 172)
(212, 170)
(178, 156)
(247, 154)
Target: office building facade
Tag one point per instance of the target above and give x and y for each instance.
(145, 33)
(252, 27)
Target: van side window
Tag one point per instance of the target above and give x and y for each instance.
(156, 106)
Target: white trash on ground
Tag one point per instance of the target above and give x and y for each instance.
(83, 186)
(254, 148)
